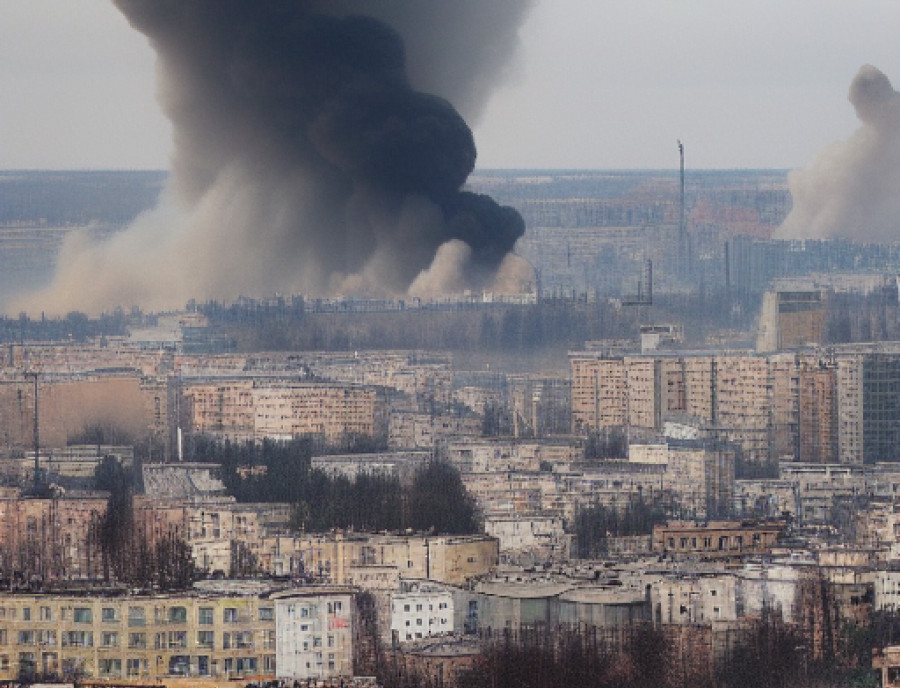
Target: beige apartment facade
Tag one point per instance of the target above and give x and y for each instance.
(254, 409)
(197, 635)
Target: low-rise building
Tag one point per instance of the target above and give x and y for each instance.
(714, 539)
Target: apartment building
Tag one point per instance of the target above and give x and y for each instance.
(839, 406)
(714, 539)
(225, 634)
(333, 557)
(252, 409)
(313, 636)
(790, 319)
(420, 610)
(694, 599)
(71, 403)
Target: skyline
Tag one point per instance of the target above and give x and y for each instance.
(590, 87)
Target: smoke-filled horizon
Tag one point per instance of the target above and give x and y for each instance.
(850, 189)
(316, 151)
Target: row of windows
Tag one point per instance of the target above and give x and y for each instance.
(161, 641)
(441, 605)
(137, 616)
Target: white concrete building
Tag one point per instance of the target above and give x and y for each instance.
(423, 610)
(314, 633)
(695, 600)
(887, 591)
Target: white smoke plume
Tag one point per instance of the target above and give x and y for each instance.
(310, 155)
(851, 188)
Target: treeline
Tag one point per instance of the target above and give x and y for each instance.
(128, 555)
(74, 327)
(551, 323)
(767, 653)
(555, 322)
(595, 525)
(434, 500)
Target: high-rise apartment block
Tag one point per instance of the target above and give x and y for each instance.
(836, 406)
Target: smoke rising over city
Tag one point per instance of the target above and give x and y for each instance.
(316, 150)
(850, 190)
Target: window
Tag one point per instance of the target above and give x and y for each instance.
(109, 639)
(231, 615)
(246, 665)
(83, 615)
(47, 638)
(179, 665)
(177, 639)
(26, 638)
(136, 616)
(110, 667)
(203, 665)
(205, 615)
(78, 639)
(26, 613)
(406, 607)
(46, 614)
(177, 614)
(226, 641)
(26, 662)
(205, 639)
(133, 666)
(266, 613)
(137, 640)
(108, 614)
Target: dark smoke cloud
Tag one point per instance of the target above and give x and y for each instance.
(310, 154)
(850, 190)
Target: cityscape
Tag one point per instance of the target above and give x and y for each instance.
(325, 404)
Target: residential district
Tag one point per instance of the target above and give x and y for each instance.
(700, 493)
(672, 459)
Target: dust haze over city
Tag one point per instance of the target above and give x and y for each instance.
(408, 343)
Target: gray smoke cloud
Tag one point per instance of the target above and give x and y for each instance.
(850, 190)
(316, 151)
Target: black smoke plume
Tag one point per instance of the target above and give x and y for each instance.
(316, 151)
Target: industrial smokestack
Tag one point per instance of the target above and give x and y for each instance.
(850, 190)
(316, 151)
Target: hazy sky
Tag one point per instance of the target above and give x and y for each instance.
(597, 84)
